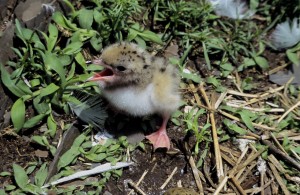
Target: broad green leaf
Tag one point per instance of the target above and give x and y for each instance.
(9, 83)
(20, 176)
(293, 57)
(71, 72)
(5, 173)
(61, 20)
(79, 140)
(41, 175)
(73, 48)
(8, 188)
(227, 66)
(48, 90)
(40, 106)
(96, 157)
(232, 126)
(23, 86)
(39, 140)
(151, 36)
(214, 81)
(262, 62)
(99, 17)
(96, 42)
(68, 157)
(85, 18)
(131, 34)
(18, 114)
(80, 60)
(53, 34)
(194, 77)
(65, 60)
(51, 125)
(51, 61)
(247, 120)
(33, 121)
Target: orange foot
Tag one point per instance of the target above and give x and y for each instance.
(159, 139)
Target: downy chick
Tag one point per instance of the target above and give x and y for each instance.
(139, 84)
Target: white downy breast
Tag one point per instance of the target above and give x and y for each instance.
(131, 100)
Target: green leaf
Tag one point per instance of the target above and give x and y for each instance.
(41, 107)
(20, 176)
(8, 188)
(18, 114)
(262, 62)
(190, 76)
(99, 17)
(41, 175)
(214, 81)
(147, 35)
(227, 66)
(80, 60)
(293, 57)
(48, 90)
(61, 20)
(33, 121)
(5, 173)
(69, 156)
(51, 61)
(9, 83)
(39, 140)
(96, 42)
(71, 72)
(73, 48)
(85, 18)
(96, 157)
(53, 34)
(51, 125)
(23, 86)
(246, 119)
(234, 127)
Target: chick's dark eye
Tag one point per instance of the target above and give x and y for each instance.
(120, 68)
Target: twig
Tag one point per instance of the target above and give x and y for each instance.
(219, 164)
(136, 188)
(232, 92)
(256, 109)
(140, 180)
(279, 179)
(264, 96)
(278, 144)
(262, 177)
(221, 185)
(196, 175)
(168, 179)
(285, 157)
(238, 186)
(288, 111)
(220, 99)
(238, 120)
(251, 158)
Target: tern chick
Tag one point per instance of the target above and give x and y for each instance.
(139, 84)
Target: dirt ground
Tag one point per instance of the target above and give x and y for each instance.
(156, 166)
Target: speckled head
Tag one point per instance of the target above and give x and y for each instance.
(124, 63)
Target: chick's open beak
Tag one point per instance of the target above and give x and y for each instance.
(106, 74)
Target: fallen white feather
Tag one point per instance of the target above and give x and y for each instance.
(96, 170)
(235, 9)
(286, 34)
(261, 165)
(243, 143)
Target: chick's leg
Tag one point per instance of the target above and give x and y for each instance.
(160, 139)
